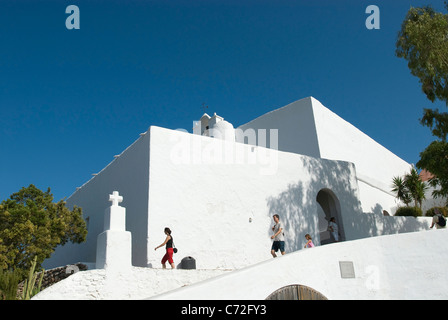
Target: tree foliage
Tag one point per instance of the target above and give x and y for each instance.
(32, 225)
(431, 212)
(409, 212)
(423, 43)
(437, 122)
(435, 159)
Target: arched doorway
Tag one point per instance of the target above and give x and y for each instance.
(328, 207)
(296, 292)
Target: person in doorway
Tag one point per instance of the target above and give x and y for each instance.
(279, 239)
(438, 220)
(309, 243)
(333, 228)
(169, 249)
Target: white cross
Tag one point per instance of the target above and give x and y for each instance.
(115, 198)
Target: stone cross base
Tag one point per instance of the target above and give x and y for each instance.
(114, 250)
(114, 245)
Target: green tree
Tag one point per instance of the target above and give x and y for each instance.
(32, 225)
(423, 43)
(435, 159)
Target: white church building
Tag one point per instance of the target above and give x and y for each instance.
(218, 188)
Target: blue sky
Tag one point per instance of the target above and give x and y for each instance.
(72, 99)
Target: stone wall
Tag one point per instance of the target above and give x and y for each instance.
(54, 275)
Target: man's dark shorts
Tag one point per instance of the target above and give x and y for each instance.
(278, 245)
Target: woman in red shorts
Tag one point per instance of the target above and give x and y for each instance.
(169, 249)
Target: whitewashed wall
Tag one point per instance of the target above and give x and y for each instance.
(220, 209)
(307, 127)
(383, 273)
(375, 165)
(129, 174)
(218, 197)
(406, 266)
(295, 125)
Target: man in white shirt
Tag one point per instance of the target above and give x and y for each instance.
(279, 239)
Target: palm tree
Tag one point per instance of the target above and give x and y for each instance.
(410, 188)
(420, 192)
(412, 181)
(400, 188)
